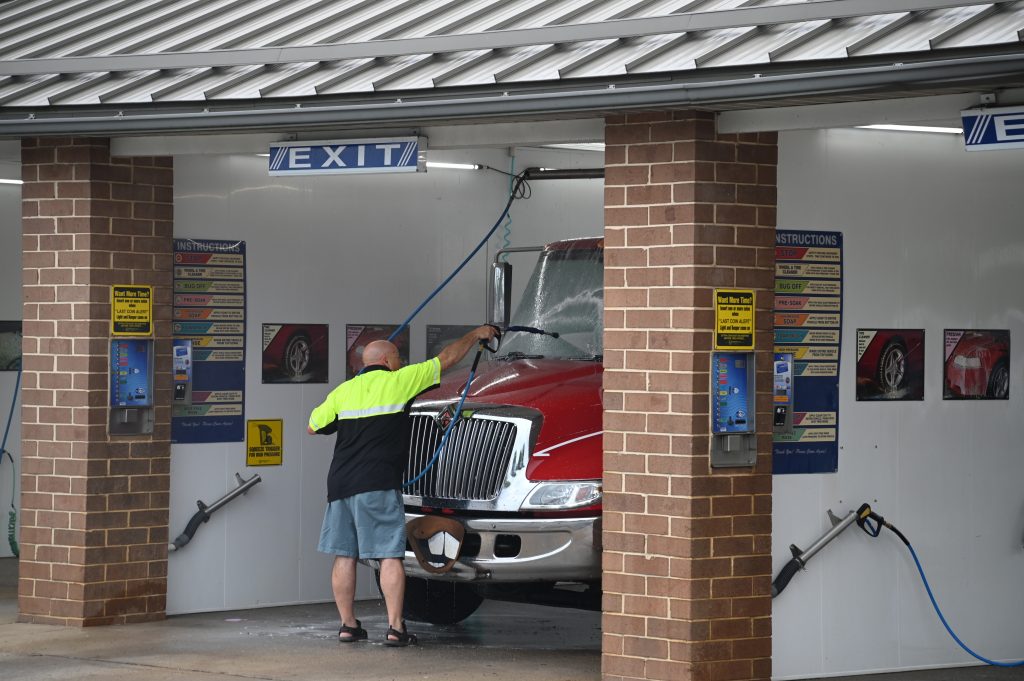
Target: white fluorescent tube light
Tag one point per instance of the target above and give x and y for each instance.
(454, 166)
(11, 182)
(914, 128)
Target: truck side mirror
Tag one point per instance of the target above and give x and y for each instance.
(501, 294)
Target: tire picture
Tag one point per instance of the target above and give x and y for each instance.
(892, 367)
(295, 353)
(295, 361)
(999, 381)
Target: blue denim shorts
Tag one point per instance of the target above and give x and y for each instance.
(366, 525)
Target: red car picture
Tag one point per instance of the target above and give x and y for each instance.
(295, 353)
(890, 364)
(977, 365)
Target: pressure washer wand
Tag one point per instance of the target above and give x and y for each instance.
(801, 558)
(204, 512)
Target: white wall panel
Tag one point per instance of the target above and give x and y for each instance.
(932, 240)
(333, 250)
(10, 310)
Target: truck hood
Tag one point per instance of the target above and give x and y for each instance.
(566, 392)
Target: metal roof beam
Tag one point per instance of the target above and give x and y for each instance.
(921, 110)
(863, 82)
(984, 13)
(604, 30)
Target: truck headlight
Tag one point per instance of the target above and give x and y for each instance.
(558, 496)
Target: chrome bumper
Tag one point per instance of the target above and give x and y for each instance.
(550, 550)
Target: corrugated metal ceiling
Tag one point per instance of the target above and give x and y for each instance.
(76, 31)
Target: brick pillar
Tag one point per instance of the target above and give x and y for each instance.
(687, 548)
(94, 507)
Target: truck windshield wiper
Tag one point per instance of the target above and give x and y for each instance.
(515, 354)
(587, 358)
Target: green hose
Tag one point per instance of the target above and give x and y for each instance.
(12, 533)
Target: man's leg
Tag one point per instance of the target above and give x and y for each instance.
(343, 583)
(392, 585)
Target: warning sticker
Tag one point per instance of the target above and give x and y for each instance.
(264, 442)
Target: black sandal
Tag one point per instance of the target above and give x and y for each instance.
(356, 633)
(402, 638)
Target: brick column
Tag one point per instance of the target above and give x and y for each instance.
(687, 548)
(94, 507)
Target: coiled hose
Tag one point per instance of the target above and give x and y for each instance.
(12, 515)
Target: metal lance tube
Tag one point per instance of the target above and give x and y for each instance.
(827, 537)
(800, 558)
(204, 512)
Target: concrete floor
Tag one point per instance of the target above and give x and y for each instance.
(507, 641)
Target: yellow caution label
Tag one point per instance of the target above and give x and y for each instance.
(264, 442)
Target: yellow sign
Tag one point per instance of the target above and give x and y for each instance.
(131, 310)
(264, 442)
(734, 319)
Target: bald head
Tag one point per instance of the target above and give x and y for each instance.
(382, 353)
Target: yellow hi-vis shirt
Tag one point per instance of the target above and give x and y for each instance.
(370, 415)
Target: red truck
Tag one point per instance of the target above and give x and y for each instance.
(521, 470)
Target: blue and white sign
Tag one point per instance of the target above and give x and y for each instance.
(397, 155)
(993, 128)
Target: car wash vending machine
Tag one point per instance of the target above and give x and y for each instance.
(131, 360)
(733, 393)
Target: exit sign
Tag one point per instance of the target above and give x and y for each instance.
(391, 155)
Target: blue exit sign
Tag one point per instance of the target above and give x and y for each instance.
(395, 155)
(1001, 128)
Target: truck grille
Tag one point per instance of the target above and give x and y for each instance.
(472, 465)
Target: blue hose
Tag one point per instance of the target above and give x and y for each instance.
(447, 431)
(513, 191)
(938, 612)
(511, 197)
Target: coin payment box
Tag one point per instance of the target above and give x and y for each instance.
(733, 409)
(131, 386)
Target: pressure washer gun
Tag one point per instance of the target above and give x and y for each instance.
(866, 519)
(204, 512)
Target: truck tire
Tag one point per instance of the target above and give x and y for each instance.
(436, 602)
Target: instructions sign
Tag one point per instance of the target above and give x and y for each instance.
(734, 319)
(395, 155)
(131, 310)
(264, 442)
(209, 313)
(808, 330)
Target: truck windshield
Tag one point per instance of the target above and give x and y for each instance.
(565, 295)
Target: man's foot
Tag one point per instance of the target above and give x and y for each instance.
(349, 634)
(399, 639)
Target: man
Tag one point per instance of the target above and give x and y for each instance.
(365, 516)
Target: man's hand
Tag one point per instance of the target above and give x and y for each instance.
(453, 353)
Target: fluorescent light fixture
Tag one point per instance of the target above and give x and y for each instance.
(454, 166)
(914, 128)
(578, 146)
(11, 182)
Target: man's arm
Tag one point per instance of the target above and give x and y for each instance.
(453, 353)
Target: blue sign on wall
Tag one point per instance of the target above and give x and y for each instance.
(209, 311)
(1001, 128)
(397, 155)
(808, 328)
